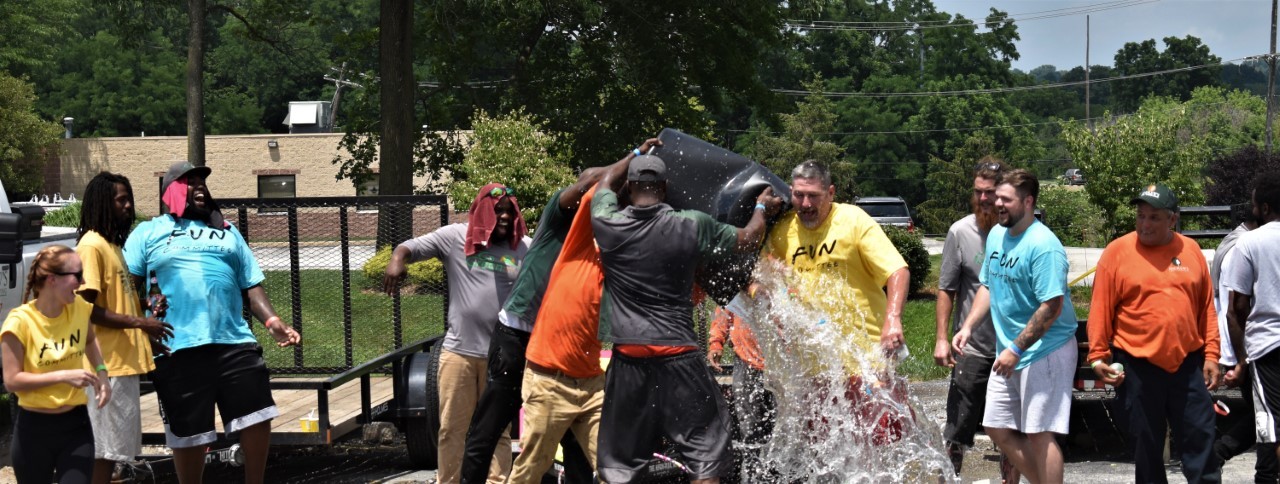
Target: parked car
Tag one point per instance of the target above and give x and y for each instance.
(1074, 177)
(888, 211)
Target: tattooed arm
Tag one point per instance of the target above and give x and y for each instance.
(1040, 323)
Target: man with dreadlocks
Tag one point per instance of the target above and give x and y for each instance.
(105, 218)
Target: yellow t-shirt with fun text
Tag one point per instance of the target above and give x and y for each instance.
(840, 267)
(124, 351)
(51, 344)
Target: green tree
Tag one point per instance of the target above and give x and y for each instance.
(31, 32)
(23, 138)
(803, 137)
(1153, 145)
(1137, 58)
(950, 183)
(511, 149)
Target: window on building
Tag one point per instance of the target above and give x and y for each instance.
(276, 186)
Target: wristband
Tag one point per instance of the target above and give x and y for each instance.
(637, 152)
(1095, 363)
(267, 323)
(761, 207)
(101, 367)
(1016, 350)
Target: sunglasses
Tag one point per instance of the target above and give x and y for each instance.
(79, 274)
(987, 166)
(498, 192)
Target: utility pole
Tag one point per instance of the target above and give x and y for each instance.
(1271, 76)
(338, 84)
(1087, 117)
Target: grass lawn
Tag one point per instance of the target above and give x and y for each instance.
(372, 332)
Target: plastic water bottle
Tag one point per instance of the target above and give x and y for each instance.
(154, 296)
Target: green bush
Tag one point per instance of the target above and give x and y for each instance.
(911, 246)
(424, 277)
(69, 216)
(1073, 218)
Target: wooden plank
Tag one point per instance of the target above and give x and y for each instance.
(344, 405)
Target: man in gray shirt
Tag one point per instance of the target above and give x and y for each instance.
(481, 258)
(658, 385)
(1253, 307)
(957, 284)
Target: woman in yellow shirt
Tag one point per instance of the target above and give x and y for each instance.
(43, 348)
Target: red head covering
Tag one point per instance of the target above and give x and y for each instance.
(483, 218)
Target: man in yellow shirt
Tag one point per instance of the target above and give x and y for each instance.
(105, 219)
(842, 242)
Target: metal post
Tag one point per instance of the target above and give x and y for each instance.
(295, 281)
(1271, 77)
(345, 244)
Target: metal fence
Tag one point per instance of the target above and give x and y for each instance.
(314, 253)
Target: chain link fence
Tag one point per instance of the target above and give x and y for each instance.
(324, 279)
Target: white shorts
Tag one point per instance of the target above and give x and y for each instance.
(117, 427)
(1036, 398)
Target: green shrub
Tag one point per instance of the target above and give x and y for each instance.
(68, 216)
(424, 277)
(1073, 218)
(911, 246)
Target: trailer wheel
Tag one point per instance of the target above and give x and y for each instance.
(422, 433)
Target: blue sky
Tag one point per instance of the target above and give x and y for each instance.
(1231, 28)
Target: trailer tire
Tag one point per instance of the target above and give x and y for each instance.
(422, 433)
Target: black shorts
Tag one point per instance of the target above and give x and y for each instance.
(190, 382)
(676, 397)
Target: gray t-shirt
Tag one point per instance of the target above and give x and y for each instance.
(961, 263)
(478, 285)
(1255, 270)
(649, 256)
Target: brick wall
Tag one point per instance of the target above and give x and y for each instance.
(236, 161)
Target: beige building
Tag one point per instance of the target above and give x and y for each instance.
(244, 166)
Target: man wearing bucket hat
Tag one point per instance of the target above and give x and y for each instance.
(205, 269)
(1152, 314)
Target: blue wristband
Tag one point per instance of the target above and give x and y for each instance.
(760, 206)
(637, 152)
(1016, 350)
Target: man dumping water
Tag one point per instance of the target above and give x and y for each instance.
(831, 337)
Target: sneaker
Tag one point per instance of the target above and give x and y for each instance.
(955, 452)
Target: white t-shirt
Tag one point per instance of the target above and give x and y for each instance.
(1255, 270)
(1227, 354)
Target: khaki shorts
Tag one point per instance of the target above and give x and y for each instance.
(117, 427)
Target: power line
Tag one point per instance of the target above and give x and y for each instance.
(998, 90)
(874, 26)
(979, 128)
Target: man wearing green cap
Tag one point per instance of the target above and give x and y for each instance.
(1152, 312)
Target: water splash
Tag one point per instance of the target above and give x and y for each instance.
(842, 413)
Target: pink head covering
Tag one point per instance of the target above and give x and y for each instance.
(483, 218)
(175, 197)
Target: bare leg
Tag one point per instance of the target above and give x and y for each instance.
(1044, 450)
(102, 470)
(255, 441)
(1016, 448)
(189, 463)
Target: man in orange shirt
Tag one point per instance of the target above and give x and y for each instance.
(1153, 313)
(754, 406)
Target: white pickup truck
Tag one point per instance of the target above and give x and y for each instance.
(22, 234)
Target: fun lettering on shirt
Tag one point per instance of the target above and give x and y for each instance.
(813, 255)
(197, 233)
(60, 345)
(998, 261)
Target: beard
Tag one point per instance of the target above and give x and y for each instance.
(986, 216)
